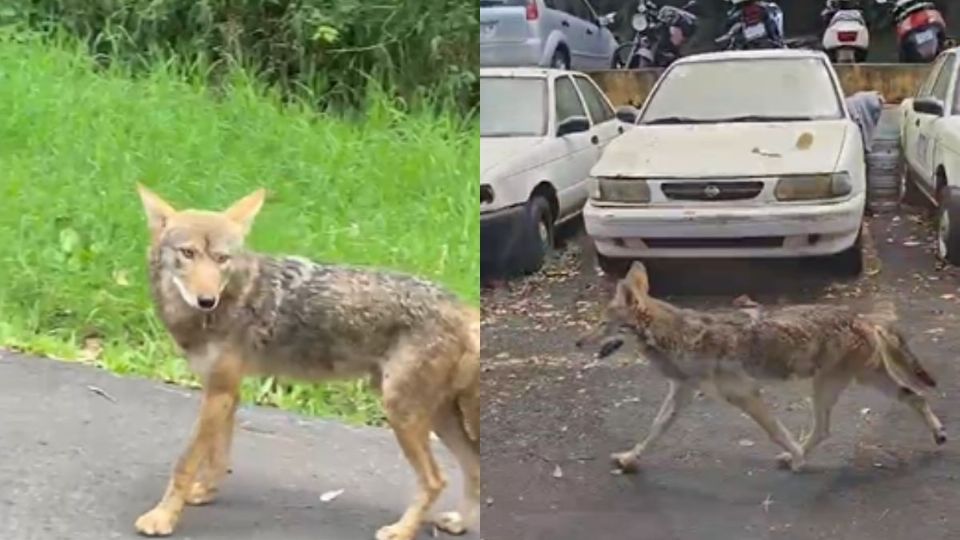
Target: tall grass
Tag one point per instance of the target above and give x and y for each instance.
(395, 188)
(321, 50)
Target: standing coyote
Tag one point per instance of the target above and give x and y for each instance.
(730, 352)
(235, 313)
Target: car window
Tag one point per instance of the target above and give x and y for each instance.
(943, 79)
(513, 107)
(568, 100)
(560, 5)
(600, 110)
(927, 85)
(795, 89)
(581, 10)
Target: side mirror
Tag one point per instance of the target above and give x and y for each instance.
(627, 114)
(573, 124)
(608, 19)
(928, 105)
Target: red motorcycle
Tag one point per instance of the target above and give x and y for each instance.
(921, 30)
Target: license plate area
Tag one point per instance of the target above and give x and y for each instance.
(754, 31)
(925, 37)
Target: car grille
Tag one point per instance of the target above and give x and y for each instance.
(711, 191)
(715, 243)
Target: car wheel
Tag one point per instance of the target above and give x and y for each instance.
(539, 233)
(849, 262)
(948, 226)
(613, 267)
(560, 59)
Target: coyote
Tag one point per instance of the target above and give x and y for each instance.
(235, 313)
(730, 352)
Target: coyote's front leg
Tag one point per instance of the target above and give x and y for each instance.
(678, 397)
(220, 395)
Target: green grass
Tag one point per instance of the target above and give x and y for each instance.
(387, 187)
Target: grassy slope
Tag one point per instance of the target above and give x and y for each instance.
(393, 189)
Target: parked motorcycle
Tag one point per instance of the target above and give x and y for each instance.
(846, 38)
(659, 33)
(921, 30)
(753, 24)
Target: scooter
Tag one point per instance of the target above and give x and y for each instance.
(753, 24)
(659, 33)
(847, 37)
(921, 30)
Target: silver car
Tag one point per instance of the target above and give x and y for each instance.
(563, 34)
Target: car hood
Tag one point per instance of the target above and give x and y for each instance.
(716, 150)
(499, 154)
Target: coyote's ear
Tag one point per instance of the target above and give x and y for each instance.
(637, 280)
(158, 210)
(243, 211)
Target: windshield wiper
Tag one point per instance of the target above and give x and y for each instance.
(678, 120)
(759, 118)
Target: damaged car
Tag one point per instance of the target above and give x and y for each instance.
(745, 154)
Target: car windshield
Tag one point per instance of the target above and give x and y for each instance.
(744, 90)
(512, 107)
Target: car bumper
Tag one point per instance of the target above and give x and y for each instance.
(795, 230)
(501, 240)
(511, 53)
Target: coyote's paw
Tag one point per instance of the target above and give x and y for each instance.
(786, 460)
(450, 523)
(201, 494)
(396, 531)
(157, 522)
(627, 462)
(940, 437)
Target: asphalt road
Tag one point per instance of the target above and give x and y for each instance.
(83, 453)
(552, 416)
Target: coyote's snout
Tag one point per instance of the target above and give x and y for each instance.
(733, 351)
(236, 313)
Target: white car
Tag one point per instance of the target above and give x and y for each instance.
(735, 154)
(930, 149)
(541, 130)
(562, 34)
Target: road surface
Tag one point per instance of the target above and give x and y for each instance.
(83, 453)
(551, 417)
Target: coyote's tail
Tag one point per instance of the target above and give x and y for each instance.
(900, 362)
(468, 391)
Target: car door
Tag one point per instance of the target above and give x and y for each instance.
(911, 119)
(606, 126)
(579, 151)
(586, 33)
(926, 123)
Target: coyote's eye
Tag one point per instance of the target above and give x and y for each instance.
(221, 258)
(188, 253)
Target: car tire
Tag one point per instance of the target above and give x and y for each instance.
(948, 225)
(849, 262)
(613, 267)
(539, 234)
(560, 59)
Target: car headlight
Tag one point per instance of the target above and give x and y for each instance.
(486, 194)
(814, 187)
(624, 190)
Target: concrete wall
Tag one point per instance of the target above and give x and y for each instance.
(894, 81)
